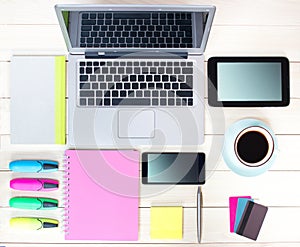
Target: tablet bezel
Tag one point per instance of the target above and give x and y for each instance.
(213, 81)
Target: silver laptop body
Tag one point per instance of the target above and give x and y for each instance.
(135, 74)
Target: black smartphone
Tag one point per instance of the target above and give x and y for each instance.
(173, 168)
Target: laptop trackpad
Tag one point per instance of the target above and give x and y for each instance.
(136, 124)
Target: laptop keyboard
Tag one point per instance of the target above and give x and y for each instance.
(136, 29)
(135, 83)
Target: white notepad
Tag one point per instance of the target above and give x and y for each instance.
(37, 100)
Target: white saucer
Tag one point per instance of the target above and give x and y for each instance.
(230, 157)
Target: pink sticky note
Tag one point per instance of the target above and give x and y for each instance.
(232, 209)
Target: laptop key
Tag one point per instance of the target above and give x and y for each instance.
(119, 85)
(108, 15)
(91, 102)
(99, 93)
(163, 102)
(151, 85)
(132, 15)
(123, 93)
(135, 85)
(83, 78)
(131, 101)
(84, 85)
(159, 86)
(82, 102)
(130, 93)
(187, 40)
(184, 86)
(143, 85)
(175, 85)
(88, 22)
(184, 93)
(154, 102)
(167, 85)
(187, 70)
(171, 102)
(115, 93)
(99, 102)
(86, 28)
(85, 34)
(85, 16)
(148, 78)
(106, 101)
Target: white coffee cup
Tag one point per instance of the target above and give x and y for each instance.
(254, 146)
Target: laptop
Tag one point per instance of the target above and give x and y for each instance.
(135, 74)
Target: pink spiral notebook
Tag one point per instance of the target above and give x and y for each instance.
(102, 195)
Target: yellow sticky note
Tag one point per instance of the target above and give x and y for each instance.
(166, 223)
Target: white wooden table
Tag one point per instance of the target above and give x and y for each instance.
(248, 27)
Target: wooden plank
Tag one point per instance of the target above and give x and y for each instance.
(4, 116)
(36, 40)
(265, 188)
(220, 185)
(255, 244)
(215, 228)
(254, 41)
(4, 79)
(282, 120)
(295, 80)
(232, 12)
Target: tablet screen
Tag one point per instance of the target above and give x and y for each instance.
(248, 81)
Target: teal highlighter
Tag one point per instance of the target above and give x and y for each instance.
(27, 223)
(33, 203)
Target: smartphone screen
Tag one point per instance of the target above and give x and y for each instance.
(173, 168)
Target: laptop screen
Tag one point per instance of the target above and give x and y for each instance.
(135, 28)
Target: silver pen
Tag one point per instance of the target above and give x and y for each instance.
(199, 214)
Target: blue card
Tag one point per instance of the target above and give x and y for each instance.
(241, 204)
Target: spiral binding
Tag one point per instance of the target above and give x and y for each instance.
(66, 194)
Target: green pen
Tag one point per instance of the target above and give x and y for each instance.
(33, 203)
(26, 223)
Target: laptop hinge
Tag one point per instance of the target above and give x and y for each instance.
(145, 55)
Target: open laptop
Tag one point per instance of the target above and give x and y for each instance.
(135, 73)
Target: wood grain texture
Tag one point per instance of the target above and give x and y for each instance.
(215, 228)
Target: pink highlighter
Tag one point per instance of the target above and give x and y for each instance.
(34, 184)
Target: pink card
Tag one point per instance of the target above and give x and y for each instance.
(232, 209)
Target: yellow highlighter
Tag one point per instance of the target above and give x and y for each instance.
(26, 223)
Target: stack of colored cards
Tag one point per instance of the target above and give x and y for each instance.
(246, 216)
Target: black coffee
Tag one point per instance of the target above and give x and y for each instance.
(252, 147)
